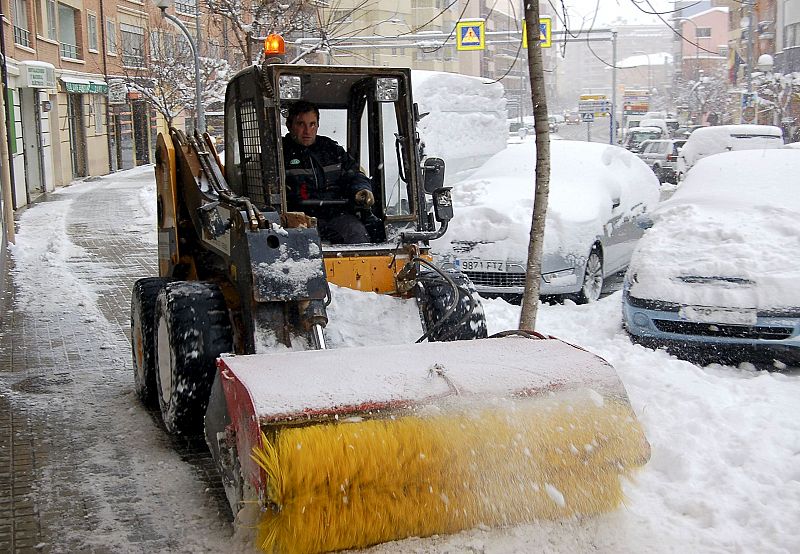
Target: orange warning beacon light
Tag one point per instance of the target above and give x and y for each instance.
(274, 45)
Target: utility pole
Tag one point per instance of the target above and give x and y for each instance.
(750, 26)
(612, 132)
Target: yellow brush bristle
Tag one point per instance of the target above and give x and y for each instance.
(353, 484)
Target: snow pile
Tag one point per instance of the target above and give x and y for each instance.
(466, 122)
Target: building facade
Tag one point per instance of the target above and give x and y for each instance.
(71, 114)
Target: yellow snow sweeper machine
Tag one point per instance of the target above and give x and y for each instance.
(321, 448)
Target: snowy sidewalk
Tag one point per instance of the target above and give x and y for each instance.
(82, 464)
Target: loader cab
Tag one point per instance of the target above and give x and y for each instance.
(368, 111)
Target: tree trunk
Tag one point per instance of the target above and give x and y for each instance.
(530, 299)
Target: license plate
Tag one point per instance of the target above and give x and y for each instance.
(703, 314)
(493, 266)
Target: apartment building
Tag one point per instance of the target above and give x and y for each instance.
(71, 114)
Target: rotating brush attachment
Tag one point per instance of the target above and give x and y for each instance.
(352, 484)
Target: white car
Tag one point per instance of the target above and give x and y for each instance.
(597, 191)
(716, 277)
(706, 141)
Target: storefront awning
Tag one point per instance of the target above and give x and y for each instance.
(83, 86)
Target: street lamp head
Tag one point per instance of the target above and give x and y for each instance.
(162, 4)
(765, 63)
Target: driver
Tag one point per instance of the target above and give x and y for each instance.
(317, 168)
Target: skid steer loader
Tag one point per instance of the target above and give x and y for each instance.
(323, 449)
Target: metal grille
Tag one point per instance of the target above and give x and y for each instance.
(491, 279)
(717, 330)
(251, 146)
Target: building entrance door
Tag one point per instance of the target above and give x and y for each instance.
(141, 132)
(32, 143)
(77, 134)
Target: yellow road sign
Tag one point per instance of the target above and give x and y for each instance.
(470, 35)
(545, 32)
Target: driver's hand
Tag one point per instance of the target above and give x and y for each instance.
(365, 198)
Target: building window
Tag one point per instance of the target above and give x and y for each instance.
(189, 7)
(22, 35)
(162, 45)
(111, 36)
(68, 32)
(132, 45)
(91, 23)
(703, 32)
(791, 35)
(48, 22)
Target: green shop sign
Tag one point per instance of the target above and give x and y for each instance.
(85, 87)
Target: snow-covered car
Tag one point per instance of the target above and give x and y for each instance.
(597, 191)
(717, 274)
(635, 136)
(706, 141)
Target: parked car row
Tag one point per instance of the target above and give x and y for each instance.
(671, 159)
(713, 279)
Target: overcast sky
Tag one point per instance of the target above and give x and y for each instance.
(610, 10)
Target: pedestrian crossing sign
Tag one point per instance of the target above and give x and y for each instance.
(545, 33)
(470, 35)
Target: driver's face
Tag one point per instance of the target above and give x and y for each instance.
(304, 128)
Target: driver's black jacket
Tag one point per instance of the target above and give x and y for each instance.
(322, 171)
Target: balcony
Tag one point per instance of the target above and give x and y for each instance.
(22, 36)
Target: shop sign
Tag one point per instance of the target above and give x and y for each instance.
(117, 92)
(83, 86)
(38, 75)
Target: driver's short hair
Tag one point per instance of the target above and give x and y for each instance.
(301, 106)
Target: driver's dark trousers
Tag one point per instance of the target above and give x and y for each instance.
(342, 229)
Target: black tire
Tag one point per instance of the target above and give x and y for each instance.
(659, 173)
(143, 316)
(592, 284)
(192, 329)
(434, 297)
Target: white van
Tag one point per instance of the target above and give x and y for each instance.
(706, 141)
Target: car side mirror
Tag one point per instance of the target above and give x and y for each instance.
(433, 174)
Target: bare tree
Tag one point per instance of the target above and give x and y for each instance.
(704, 95)
(247, 23)
(530, 299)
(161, 69)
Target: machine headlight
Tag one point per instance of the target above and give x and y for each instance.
(387, 89)
(290, 87)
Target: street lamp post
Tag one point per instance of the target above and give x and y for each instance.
(198, 91)
(696, 45)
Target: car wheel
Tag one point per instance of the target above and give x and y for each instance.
(192, 330)
(592, 279)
